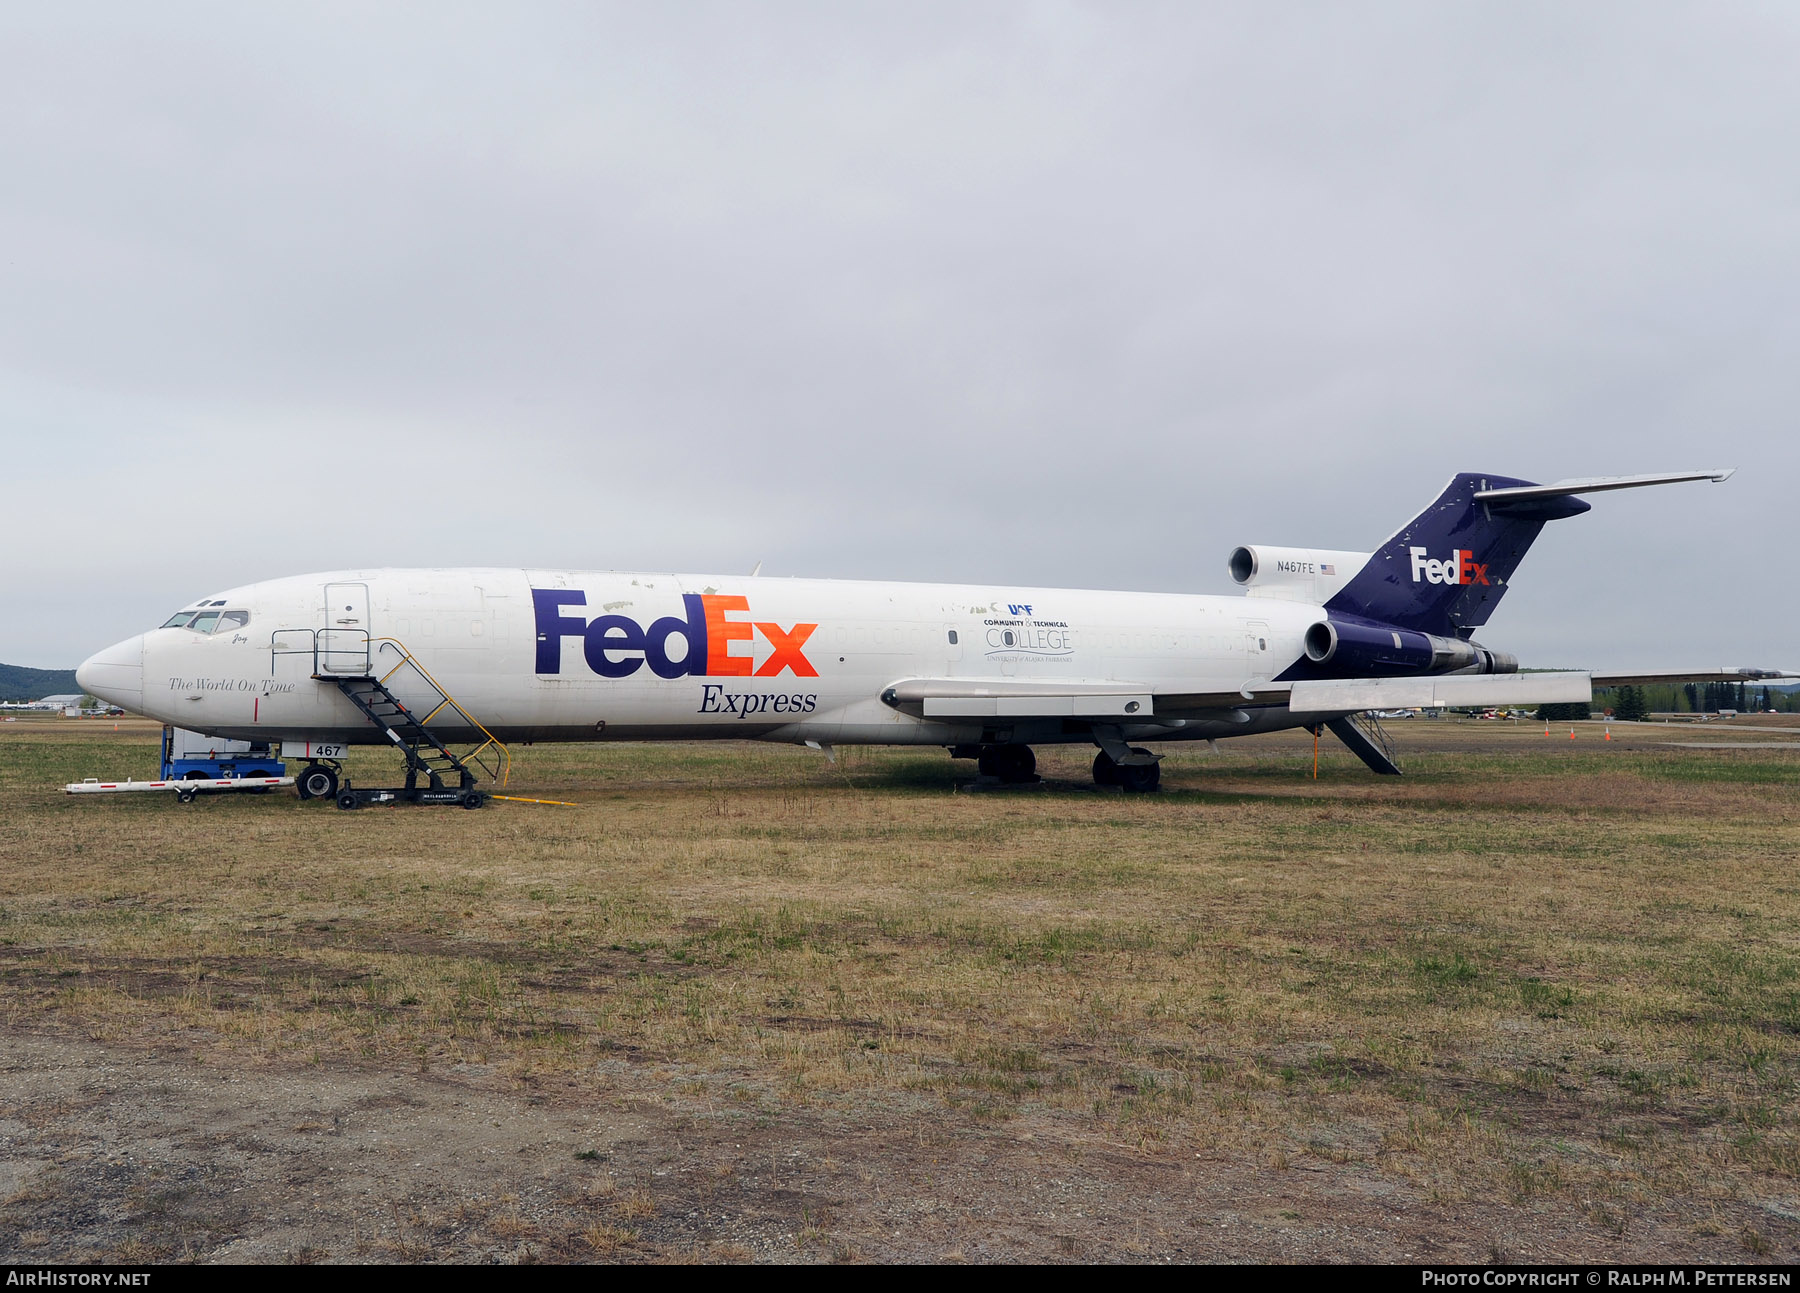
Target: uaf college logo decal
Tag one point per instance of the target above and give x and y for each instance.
(617, 646)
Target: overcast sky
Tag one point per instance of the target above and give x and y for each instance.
(1027, 294)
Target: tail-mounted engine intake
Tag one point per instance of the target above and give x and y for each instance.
(1360, 647)
(1294, 574)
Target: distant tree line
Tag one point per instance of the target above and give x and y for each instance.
(1708, 697)
(1633, 703)
(1571, 712)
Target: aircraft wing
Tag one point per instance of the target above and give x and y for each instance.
(1140, 702)
(1020, 698)
(1044, 698)
(1023, 698)
(1350, 695)
(1723, 674)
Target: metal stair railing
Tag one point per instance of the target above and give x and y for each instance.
(1377, 735)
(489, 754)
(1367, 741)
(423, 750)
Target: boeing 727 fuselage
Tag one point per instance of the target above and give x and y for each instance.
(564, 655)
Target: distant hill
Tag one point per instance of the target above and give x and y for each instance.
(20, 683)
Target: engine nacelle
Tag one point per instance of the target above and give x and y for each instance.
(1294, 574)
(1359, 647)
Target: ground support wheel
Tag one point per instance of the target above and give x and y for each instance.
(473, 799)
(316, 781)
(348, 800)
(1140, 778)
(1011, 765)
(185, 796)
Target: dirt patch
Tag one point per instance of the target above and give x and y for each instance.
(118, 1153)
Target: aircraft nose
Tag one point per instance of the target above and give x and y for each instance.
(116, 675)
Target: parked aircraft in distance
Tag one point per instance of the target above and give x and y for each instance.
(317, 662)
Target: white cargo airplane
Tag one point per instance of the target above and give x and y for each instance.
(359, 657)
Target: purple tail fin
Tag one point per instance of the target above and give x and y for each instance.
(1448, 567)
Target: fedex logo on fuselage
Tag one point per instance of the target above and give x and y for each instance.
(617, 646)
(1461, 568)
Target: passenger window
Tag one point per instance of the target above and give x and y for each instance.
(952, 637)
(229, 620)
(204, 622)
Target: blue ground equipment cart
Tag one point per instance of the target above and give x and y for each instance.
(189, 756)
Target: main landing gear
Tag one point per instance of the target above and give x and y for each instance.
(1011, 765)
(1132, 778)
(1016, 765)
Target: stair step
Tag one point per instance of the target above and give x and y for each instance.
(425, 753)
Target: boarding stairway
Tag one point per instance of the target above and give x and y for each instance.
(372, 674)
(425, 752)
(1368, 741)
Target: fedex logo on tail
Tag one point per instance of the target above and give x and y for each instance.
(1461, 568)
(617, 646)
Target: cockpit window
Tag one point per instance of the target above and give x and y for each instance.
(209, 621)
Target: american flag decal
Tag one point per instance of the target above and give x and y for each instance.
(1327, 570)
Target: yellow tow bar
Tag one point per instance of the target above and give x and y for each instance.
(520, 799)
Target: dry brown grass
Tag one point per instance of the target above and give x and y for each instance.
(606, 1240)
(1539, 970)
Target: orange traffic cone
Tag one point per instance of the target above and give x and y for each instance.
(1609, 732)
(1571, 734)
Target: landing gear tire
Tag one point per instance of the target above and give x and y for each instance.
(1140, 778)
(1132, 778)
(1012, 765)
(346, 801)
(317, 781)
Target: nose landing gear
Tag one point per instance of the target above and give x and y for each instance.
(316, 781)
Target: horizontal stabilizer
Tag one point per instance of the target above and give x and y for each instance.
(1645, 677)
(1352, 695)
(1594, 485)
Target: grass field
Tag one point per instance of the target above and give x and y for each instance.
(1541, 997)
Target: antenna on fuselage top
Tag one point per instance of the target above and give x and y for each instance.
(757, 571)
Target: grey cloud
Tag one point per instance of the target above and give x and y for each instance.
(1050, 294)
